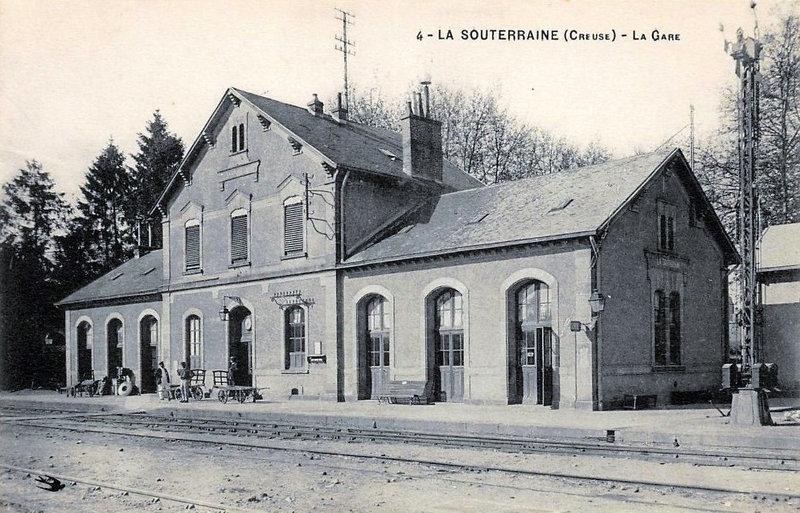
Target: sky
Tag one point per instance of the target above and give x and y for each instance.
(74, 74)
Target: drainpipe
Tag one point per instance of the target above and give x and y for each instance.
(597, 383)
(340, 250)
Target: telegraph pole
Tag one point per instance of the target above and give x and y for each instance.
(749, 379)
(344, 47)
(691, 136)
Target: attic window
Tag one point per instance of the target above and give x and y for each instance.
(148, 271)
(406, 229)
(389, 154)
(561, 206)
(117, 276)
(478, 218)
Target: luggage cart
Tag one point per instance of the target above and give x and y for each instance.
(196, 386)
(227, 391)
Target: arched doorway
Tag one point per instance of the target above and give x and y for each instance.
(84, 351)
(240, 346)
(448, 346)
(374, 346)
(115, 340)
(532, 354)
(148, 352)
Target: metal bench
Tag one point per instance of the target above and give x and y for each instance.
(416, 392)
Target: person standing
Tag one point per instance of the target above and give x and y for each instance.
(186, 378)
(163, 382)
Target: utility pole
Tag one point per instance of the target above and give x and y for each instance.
(751, 377)
(344, 47)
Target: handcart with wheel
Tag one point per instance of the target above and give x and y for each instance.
(226, 390)
(196, 386)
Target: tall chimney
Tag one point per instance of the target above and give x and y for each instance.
(315, 106)
(340, 112)
(422, 139)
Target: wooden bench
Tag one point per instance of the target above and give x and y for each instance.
(416, 392)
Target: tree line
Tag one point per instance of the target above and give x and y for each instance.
(49, 248)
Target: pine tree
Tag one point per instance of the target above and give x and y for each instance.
(30, 216)
(160, 153)
(101, 227)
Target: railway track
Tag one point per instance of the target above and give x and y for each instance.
(263, 436)
(270, 430)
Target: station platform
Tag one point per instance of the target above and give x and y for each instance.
(691, 426)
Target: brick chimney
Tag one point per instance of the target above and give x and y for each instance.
(315, 106)
(340, 112)
(422, 139)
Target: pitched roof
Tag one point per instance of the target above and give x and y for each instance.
(571, 203)
(351, 144)
(136, 277)
(780, 247)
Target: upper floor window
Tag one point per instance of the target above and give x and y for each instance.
(295, 338)
(293, 227)
(666, 329)
(237, 138)
(666, 227)
(192, 248)
(239, 236)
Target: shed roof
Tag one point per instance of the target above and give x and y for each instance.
(780, 248)
(136, 277)
(572, 203)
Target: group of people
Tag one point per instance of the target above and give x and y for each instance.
(162, 380)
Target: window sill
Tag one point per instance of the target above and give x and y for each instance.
(238, 152)
(294, 371)
(292, 256)
(239, 264)
(668, 368)
(189, 272)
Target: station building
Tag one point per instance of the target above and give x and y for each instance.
(326, 258)
(779, 295)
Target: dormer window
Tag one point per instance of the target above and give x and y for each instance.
(238, 138)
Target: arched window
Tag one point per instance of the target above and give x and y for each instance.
(194, 342)
(378, 327)
(192, 245)
(660, 327)
(674, 329)
(295, 328)
(239, 236)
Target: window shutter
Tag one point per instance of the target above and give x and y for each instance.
(238, 239)
(293, 228)
(192, 248)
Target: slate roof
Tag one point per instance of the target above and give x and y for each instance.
(780, 248)
(136, 277)
(520, 211)
(350, 144)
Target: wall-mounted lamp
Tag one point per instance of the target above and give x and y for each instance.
(597, 302)
(224, 313)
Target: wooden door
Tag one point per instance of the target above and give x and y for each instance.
(378, 362)
(451, 366)
(537, 365)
